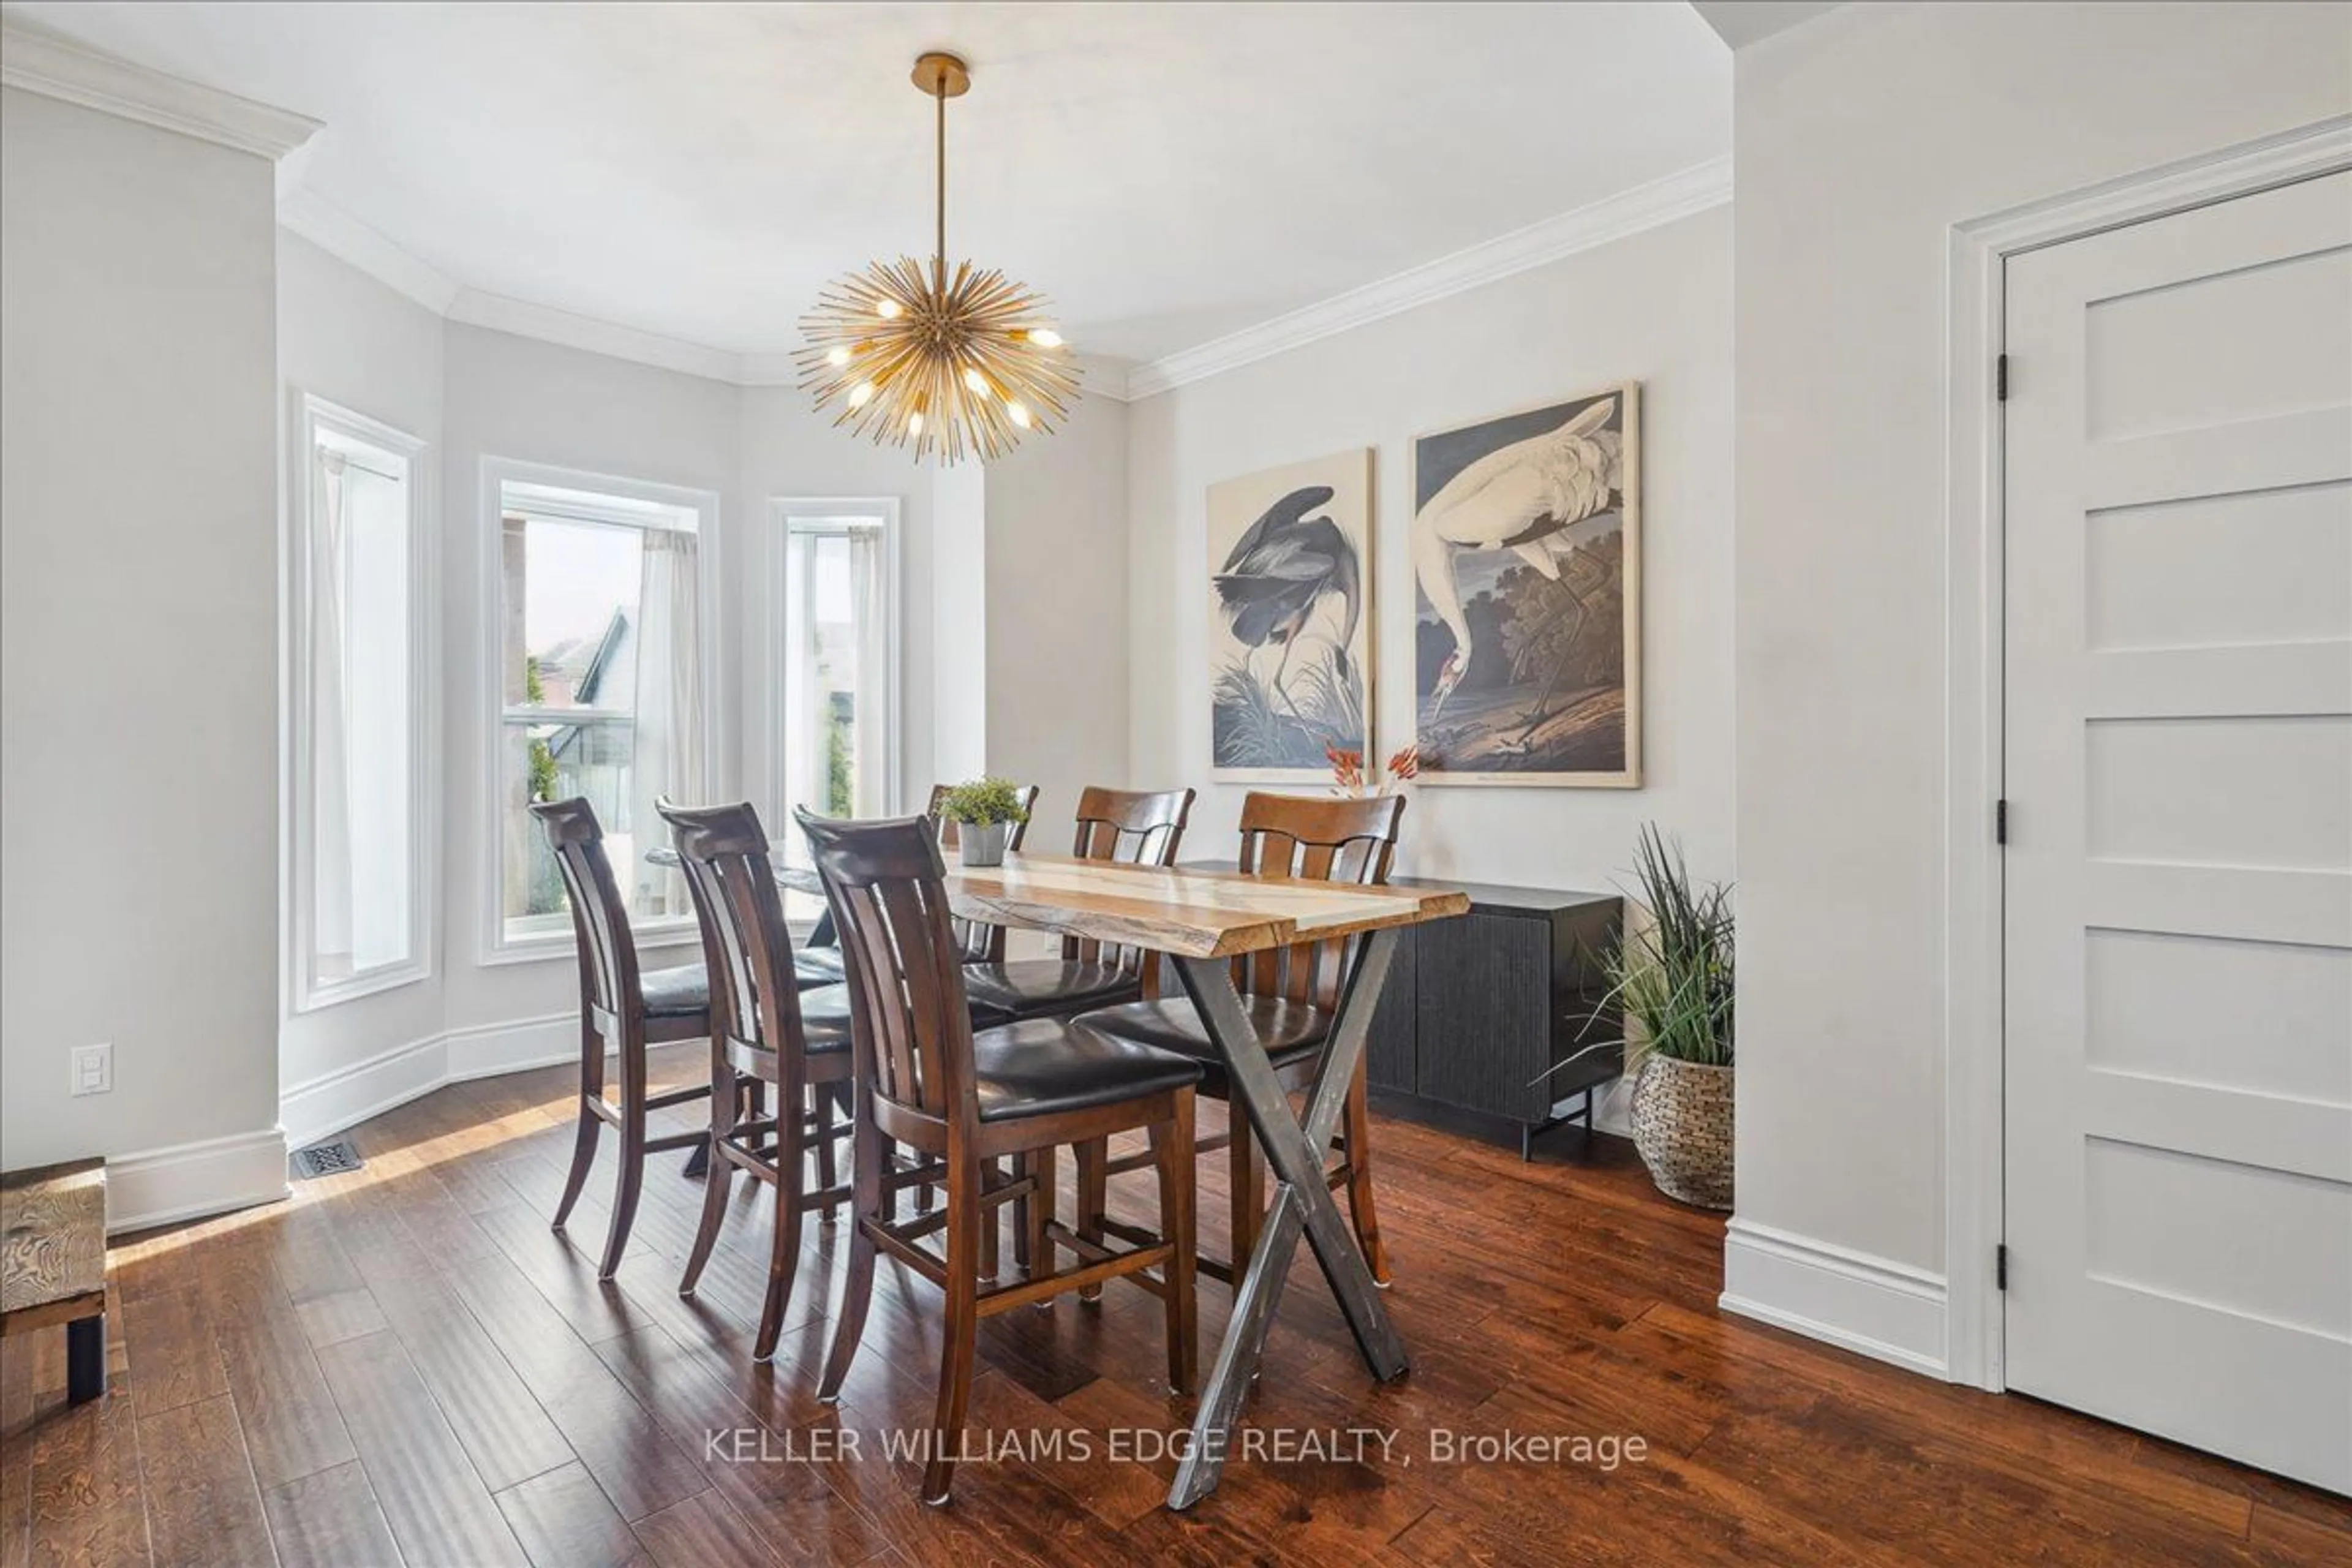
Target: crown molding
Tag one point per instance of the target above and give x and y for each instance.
(338, 234)
(358, 243)
(1112, 378)
(525, 319)
(771, 368)
(39, 61)
(1661, 201)
(42, 62)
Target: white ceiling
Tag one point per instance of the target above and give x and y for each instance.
(1167, 173)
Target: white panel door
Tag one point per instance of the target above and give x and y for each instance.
(2179, 769)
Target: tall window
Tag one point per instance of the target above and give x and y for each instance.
(600, 694)
(360, 697)
(837, 748)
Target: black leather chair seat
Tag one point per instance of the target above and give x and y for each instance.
(1291, 1030)
(678, 993)
(1045, 1066)
(814, 966)
(1044, 988)
(825, 1018)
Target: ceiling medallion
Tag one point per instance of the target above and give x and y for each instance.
(952, 364)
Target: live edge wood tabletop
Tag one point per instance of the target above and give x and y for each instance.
(53, 1263)
(1184, 911)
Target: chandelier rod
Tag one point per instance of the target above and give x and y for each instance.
(939, 256)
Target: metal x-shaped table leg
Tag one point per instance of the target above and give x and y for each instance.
(1302, 1199)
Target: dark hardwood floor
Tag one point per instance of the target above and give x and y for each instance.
(403, 1365)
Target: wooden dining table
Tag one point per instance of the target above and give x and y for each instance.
(1201, 920)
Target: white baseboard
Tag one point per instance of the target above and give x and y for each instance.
(332, 1101)
(348, 1095)
(162, 1186)
(489, 1049)
(1875, 1307)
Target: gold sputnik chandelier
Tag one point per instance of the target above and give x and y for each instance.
(951, 364)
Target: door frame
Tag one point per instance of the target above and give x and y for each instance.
(1975, 717)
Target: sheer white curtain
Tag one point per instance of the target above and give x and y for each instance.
(376, 707)
(330, 831)
(668, 758)
(869, 609)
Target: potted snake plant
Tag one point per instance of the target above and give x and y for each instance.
(984, 811)
(1670, 974)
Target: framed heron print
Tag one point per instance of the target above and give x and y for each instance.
(1526, 563)
(1290, 619)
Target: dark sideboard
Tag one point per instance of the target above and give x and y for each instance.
(1480, 1007)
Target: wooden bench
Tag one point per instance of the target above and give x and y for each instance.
(53, 1264)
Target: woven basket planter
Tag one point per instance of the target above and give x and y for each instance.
(1682, 1126)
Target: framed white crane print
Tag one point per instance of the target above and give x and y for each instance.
(1290, 619)
(1527, 562)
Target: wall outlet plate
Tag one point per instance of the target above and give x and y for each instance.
(93, 1069)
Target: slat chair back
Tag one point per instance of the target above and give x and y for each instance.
(1327, 839)
(1132, 827)
(600, 915)
(885, 884)
(978, 940)
(754, 999)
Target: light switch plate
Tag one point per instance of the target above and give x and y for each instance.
(93, 1069)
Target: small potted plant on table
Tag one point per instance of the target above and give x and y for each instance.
(1672, 975)
(984, 811)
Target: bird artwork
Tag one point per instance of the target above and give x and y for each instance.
(1281, 572)
(1289, 598)
(1523, 548)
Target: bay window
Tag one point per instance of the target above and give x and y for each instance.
(837, 740)
(362, 700)
(601, 595)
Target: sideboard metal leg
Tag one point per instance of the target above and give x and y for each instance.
(85, 1359)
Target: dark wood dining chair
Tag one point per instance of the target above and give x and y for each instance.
(623, 1010)
(925, 1081)
(1129, 828)
(819, 962)
(766, 1032)
(1290, 995)
(979, 942)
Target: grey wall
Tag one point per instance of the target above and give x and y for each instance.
(1860, 138)
(956, 662)
(1654, 308)
(138, 633)
(1055, 578)
(345, 337)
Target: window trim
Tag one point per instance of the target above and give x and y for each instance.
(783, 511)
(495, 947)
(312, 415)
